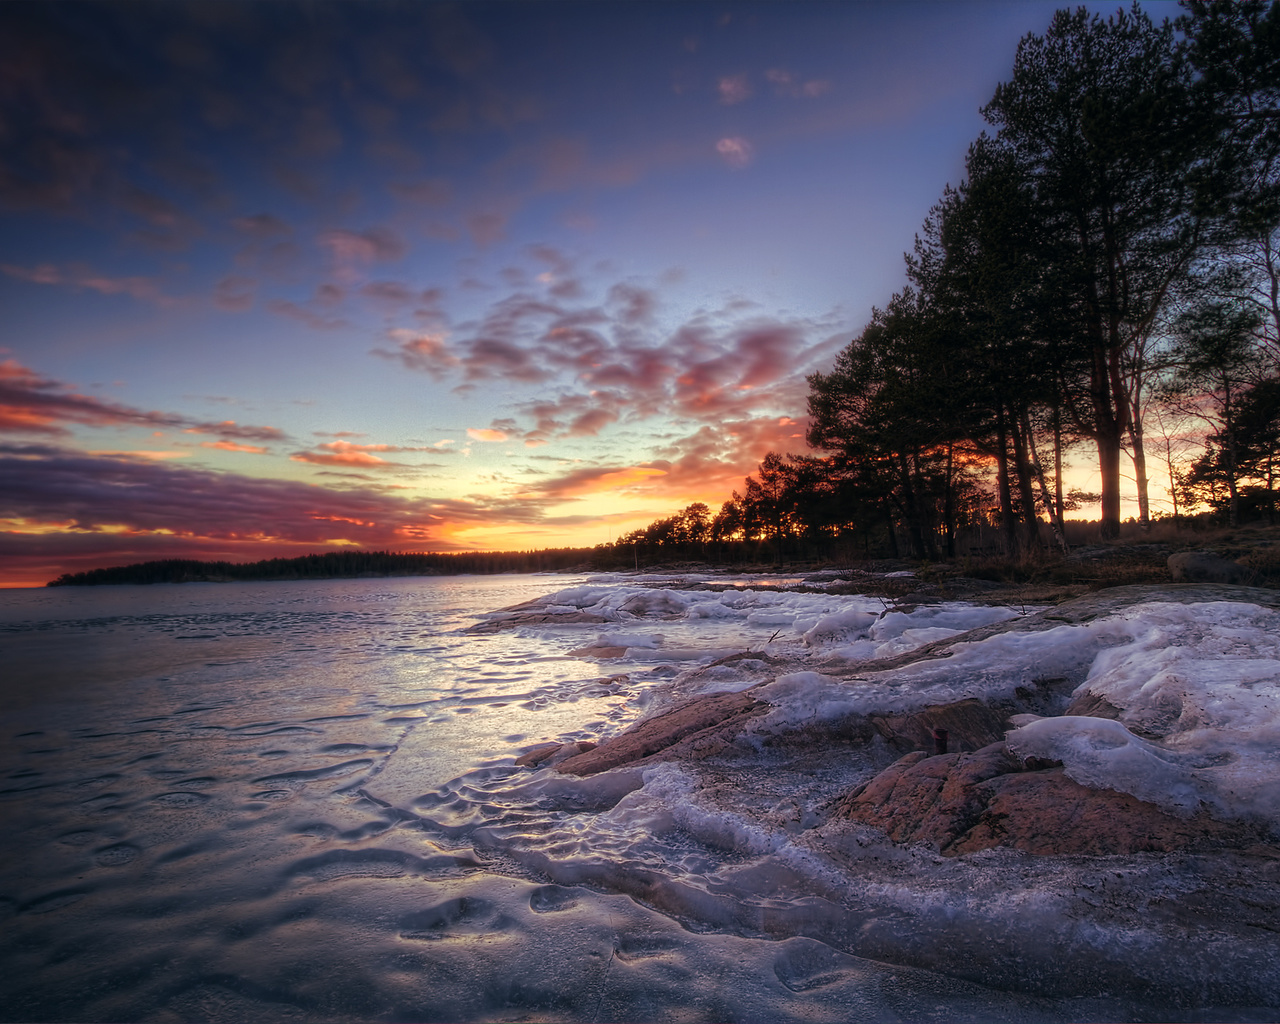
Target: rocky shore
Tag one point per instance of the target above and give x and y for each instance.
(956, 787)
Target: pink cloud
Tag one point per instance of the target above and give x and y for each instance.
(234, 293)
(353, 251)
(487, 228)
(33, 404)
(80, 277)
(733, 89)
(787, 84)
(735, 151)
(314, 320)
(419, 350)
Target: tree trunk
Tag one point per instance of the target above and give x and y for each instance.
(1140, 471)
(1109, 464)
(1022, 462)
(1055, 517)
(1057, 465)
(948, 505)
(1008, 526)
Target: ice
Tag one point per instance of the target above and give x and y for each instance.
(910, 639)
(1103, 754)
(952, 615)
(839, 626)
(1202, 683)
(645, 640)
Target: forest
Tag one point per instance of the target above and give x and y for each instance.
(1103, 285)
(331, 565)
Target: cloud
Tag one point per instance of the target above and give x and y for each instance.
(84, 492)
(234, 293)
(353, 251)
(390, 293)
(344, 453)
(620, 362)
(486, 228)
(231, 446)
(262, 226)
(428, 192)
(419, 350)
(735, 151)
(30, 404)
(80, 277)
(485, 434)
(733, 89)
(314, 320)
(346, 458)
(786, 84)
(597, 479)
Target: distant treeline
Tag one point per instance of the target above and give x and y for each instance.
(331, 565)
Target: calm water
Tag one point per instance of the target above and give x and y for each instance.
(298, 802)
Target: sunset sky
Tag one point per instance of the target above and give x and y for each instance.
(279, 278)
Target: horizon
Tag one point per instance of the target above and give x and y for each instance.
(286, 278)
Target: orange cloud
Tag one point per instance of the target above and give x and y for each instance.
(231, 446)
(485, 434)
(345, 458)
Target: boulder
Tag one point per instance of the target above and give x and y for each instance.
(697, 728)
(1205, 567)
(962, 803)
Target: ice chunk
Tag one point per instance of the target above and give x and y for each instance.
(839, 626)
(913, 638)
(1103, 754)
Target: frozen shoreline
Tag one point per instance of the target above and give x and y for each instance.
(1180, 691)
(303, 802)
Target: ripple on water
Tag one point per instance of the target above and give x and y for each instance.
(52, 901)
(333, 771)
(376, 863)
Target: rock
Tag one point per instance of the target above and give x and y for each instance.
(963, 803)
(538, 754)
(931, 800)
(601, 652)
(552, 753)
(1205, 567)
(969, 725)
(697, 728)
(1091, 705)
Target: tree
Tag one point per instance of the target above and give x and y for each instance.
(1099, 116)
(885, 413)
(1217, 363)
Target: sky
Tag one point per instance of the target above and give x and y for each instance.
(281, 278)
